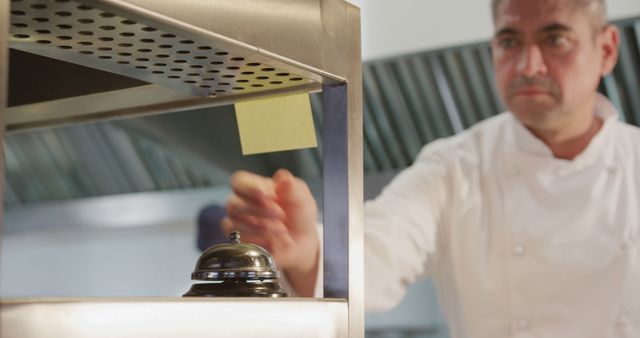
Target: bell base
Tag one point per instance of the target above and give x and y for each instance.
(237, 288)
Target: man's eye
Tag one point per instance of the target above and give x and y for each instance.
(507, 43)
(557, 40)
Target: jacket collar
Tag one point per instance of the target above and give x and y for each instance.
(521, 142)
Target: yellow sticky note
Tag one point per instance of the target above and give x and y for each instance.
(275, 124)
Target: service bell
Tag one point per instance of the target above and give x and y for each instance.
(236, 270)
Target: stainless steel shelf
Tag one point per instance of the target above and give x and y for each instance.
(174, 317)
(175, 45)
(126, 39)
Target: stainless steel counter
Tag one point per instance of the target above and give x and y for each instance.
(173, 317)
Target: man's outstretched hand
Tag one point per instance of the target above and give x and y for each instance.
(280, 214)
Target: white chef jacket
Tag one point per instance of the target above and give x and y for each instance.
(518, 243)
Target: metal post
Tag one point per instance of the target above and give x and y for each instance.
(343, 174)
(335, 191)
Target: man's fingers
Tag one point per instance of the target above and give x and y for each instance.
(281, 241)
(238, 206)
(253, 187)
(227, 226)
(265, 232)
(266, 227)
(247, 229)
(292, 191)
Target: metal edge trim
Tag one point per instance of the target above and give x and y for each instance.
(164, 107)
(355, 165)
(4, 96)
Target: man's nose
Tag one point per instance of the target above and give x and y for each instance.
(531, 62)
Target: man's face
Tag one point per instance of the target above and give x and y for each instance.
(548, 57)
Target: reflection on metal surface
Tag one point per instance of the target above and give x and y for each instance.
(66, 110)
(118, 104)
(172, 317)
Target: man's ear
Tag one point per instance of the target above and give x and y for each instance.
(609, 43)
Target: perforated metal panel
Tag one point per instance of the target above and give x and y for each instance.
(78, 33)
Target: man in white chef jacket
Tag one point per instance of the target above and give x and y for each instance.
(528, 223)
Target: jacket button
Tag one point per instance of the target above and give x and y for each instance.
(519, 250)
(623, 320)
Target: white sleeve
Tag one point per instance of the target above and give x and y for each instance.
(400, 228)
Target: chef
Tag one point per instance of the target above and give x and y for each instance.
(528, 222)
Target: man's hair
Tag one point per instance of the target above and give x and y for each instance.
(597, 9)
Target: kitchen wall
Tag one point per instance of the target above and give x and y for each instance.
(404, 26)
(138, 245)
(143, 261)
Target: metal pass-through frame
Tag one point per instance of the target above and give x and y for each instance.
(196, 54)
